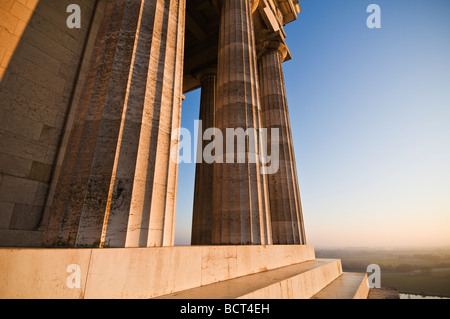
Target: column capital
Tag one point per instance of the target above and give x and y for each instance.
(273, 44)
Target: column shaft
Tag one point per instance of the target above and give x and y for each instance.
(203, 196)
(284, 194)
(118, 185)
(240, 207)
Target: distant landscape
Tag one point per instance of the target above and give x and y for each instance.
(423, 272)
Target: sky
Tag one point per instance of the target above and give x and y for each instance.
(370, 119)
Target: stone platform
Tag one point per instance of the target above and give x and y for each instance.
(194, 272)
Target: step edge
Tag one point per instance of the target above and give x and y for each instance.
(361, 292)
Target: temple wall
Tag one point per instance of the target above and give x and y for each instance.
(42, 67)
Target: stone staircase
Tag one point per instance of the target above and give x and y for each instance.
(315, 279)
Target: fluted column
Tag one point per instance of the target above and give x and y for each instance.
(240, 207)
(203, 196)
(284, 194)
(117, 185)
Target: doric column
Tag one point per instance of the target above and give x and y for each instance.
(284, 195)
(240, 207)
(117, 186)
(203, 197)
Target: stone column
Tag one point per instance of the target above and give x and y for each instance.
(117, 186)
(240, 208)
(203, 198)
(284, 195)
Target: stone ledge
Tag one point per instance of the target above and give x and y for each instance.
(135, 272)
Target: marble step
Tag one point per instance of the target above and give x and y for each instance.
(349, 285)
(297, 281)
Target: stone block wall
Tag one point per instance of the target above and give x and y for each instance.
(43, 64)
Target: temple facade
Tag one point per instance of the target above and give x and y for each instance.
(91, 95)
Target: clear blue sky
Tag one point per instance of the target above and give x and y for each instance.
(370, 117)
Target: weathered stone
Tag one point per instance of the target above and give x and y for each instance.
(35, 42)
(122, 179)
(40, 172)
(25, 217)
(6, 210)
